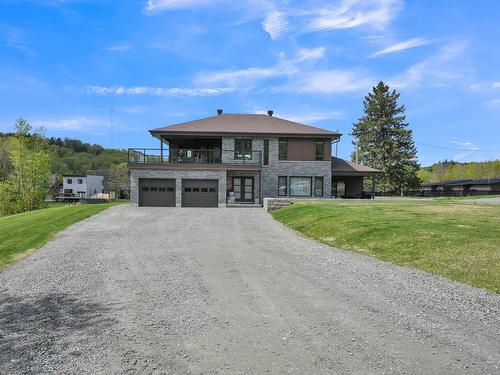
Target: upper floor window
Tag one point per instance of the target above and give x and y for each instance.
(242, 149)
(283, 150)
(320, 150)
(80, 181)
(266, 152)
(70, 181)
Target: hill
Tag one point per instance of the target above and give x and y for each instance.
(452, 170)
(68, 156)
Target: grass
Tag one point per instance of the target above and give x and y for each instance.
(22, 233)
(447, 238)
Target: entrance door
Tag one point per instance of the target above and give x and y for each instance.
(243, 189)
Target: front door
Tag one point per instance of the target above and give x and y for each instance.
(243, 189)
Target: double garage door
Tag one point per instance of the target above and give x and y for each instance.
(161, 193)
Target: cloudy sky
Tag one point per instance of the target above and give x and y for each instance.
(65, 63)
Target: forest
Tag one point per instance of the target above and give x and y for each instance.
(66, 156)
(452, 170)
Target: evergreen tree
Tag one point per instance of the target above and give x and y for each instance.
(384, 141)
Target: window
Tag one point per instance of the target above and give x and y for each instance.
(153, 188)
(318, 186)
(161, 189)
(300, 186)
(242, 149)
(204, 190)
(320, 150)
(170, 189)
(196, 190)
(145, 188)
(70, 180)
(266, 152)
(282, 186)
(283, 150)
(187, 190)
(80, 181)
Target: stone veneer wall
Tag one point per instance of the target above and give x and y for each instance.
(178, 175)
(293, 168)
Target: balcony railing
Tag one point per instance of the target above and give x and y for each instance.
(193, 156)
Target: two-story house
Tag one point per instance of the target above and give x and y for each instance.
(237, 158)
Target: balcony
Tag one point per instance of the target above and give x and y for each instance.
(142, 156)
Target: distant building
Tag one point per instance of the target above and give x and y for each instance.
(84, 186)
(458, 187)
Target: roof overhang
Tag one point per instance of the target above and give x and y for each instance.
(166, 134)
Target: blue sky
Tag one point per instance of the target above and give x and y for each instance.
(65, 63)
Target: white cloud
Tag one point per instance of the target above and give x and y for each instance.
(72, 123)
(119, 47)
(401, 46)
(238, 77)
(275, 24)
(155, 91)
(279, 17)
(494, 104)
(310, 54)
(16, 38)
(156, 5)
(496, 85)
(306, 115)
(353, 13)
(471, 148)
(438, 70)
(330, 82)
(250, 76)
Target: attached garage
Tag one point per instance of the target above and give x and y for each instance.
(200, 193)
(156, 192)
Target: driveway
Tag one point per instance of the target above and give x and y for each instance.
(178, 291)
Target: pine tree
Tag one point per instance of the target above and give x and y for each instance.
(384, 141)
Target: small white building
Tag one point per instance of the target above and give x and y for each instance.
(82, 186)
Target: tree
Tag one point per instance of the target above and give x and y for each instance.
(385, 142)
(24, 189)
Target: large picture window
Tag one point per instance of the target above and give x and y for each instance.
(320, 150)
(282, 186)
(318, 186)
(283, 149)
(242, 149)
(300, 186)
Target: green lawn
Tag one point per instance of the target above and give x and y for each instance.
(458, 241)
(27, 231)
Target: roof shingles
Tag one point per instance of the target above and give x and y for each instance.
(244, 124)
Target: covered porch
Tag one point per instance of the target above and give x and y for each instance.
(348, 179)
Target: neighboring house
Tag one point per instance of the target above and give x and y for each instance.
(83, 186)
(486, 185)
(239, 158)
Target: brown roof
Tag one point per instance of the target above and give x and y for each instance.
(341, 166)
(244, 124)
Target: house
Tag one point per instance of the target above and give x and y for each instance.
(83, 186)
(239, 158)
(463, 187)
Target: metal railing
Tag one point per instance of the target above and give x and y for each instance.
(193, 156)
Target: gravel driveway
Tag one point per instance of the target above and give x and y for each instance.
(178, 291)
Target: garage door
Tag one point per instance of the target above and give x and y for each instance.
(200, 193)
(156, 192)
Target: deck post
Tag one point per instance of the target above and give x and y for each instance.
(373, 187)
(161, 150)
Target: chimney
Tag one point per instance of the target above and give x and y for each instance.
(270, 113)
(219, 112)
